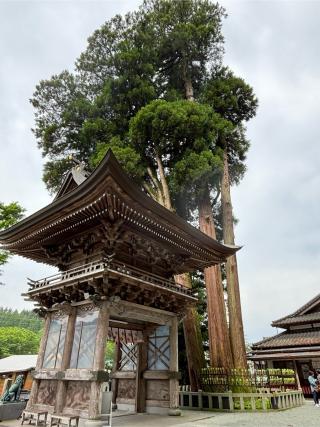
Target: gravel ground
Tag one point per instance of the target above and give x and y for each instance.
(304, 416)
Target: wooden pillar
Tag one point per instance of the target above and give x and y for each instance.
(116, 364)
(98, 362)
(174, 369)
(295, 367)
(142, 365)
(42, 348)
(65, 362)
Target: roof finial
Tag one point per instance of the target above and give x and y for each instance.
(74, 160)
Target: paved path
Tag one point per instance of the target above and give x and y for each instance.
(304, 416)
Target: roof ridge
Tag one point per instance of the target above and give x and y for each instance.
(299, 311)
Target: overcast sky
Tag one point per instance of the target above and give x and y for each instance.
(274, 46)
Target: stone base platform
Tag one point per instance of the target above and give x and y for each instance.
(11, 410)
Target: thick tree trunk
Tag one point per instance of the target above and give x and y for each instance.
(219, 342)
(234, 304)
(192, 338)
(164, 185)
(189, 90)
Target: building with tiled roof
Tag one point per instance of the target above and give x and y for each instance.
(298, 347)
(12, 366)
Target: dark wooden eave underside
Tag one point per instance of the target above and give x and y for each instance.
(109, 193)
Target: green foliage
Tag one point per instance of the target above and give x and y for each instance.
(9, 215)
(129, 159)
(187, 35)
(14, 340)
(168, 128)
(234, 100)
(109, 355)
(128, 62)
(182, 135)
(22, 319)
(247, 402)
(194, 171)
(230, 96)
(77, 113)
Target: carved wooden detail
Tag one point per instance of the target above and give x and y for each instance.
(47, 392)
(61, 312)
(126, 388)
(64, 252)
(86, 307)
(112, 234)
(158, 390)
(78, 395)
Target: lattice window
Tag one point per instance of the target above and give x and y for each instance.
(159, 349)
(84, 340)
(129, 357)
(55, 343)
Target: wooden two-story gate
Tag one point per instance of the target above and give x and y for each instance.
(117, 252)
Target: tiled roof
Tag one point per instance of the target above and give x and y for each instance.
(296, 320)
(313, 302)
(18, 363)
(290, 339)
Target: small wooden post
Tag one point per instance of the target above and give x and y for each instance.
(264, 405)
(174, 382)
(241, 403)
(116, 363)
(65, 362)
(43, 343)
(98, 362)
(220, 402)
(295, 367)
(253, 403)
(231, 405)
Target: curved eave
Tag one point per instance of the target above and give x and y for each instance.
(95, 184)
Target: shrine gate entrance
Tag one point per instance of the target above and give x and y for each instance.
(70, 375)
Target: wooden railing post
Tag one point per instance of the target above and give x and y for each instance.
(281, 400)
(231, 405)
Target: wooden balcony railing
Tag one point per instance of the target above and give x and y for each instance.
(96, 269)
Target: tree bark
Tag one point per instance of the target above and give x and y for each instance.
(234, 303)
(164, 185)
(219, 341)
(192, 338)
(189, 90)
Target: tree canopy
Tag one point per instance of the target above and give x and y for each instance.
(14, 340)
(9, 215)
(22, 319)
(152, 87)
(128, 62)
